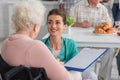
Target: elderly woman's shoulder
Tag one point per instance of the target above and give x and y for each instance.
(37, 43)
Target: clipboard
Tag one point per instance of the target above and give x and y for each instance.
(84, 59)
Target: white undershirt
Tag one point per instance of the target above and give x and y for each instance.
(56, 53)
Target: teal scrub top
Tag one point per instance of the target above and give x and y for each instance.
(67, 51)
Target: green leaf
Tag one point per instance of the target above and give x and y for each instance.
(69, 21)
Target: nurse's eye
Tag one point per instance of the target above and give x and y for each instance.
(49, 22)
(58, 23)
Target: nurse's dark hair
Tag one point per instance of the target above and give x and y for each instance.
(57, 12)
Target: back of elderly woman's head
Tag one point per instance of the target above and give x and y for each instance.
(27, 13)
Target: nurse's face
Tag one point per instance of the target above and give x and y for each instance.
(55, 25)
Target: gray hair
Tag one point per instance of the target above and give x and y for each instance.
(27, 13)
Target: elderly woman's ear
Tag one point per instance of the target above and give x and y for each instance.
(34, 31)
(36, 28)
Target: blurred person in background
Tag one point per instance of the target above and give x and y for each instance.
(115, 6)
(89, 13)
(65, 5)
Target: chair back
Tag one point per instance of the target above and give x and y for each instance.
(4, 67)
(8, 72)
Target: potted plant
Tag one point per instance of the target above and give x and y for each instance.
(69, 22)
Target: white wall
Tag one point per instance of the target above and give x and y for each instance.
(3, 20)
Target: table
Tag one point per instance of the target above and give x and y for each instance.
(84, 37)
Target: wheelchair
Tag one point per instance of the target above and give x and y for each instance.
(21, 72)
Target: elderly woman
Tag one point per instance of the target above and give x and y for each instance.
(21, 49)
